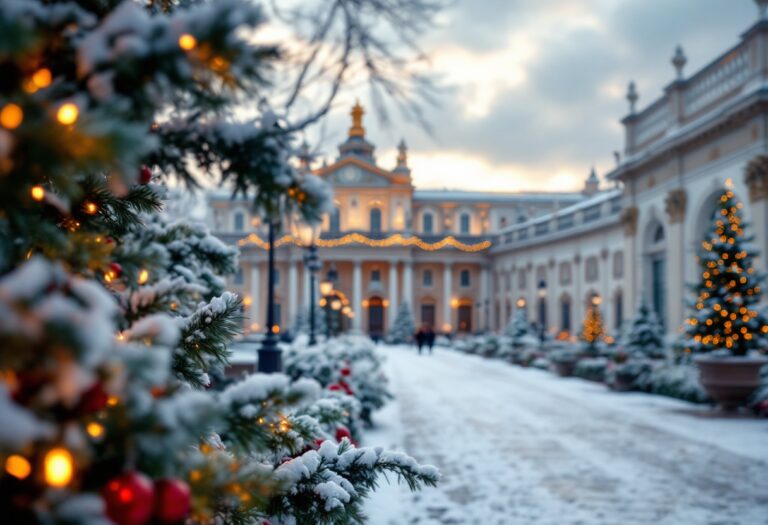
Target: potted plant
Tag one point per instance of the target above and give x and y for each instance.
(725, 330)
(564, 361)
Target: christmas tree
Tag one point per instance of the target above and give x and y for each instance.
(403, 328)
(724, 315)
(113, 320)
(518, 329)
(593, 330)
(644, 334)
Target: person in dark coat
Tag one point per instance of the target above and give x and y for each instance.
(430, 338)
(421, 337)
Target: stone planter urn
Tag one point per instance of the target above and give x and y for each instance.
(730, 380)
(564, 368)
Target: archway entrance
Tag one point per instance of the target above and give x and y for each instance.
(376, 317)
(464, 316)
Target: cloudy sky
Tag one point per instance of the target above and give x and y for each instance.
(533, 90)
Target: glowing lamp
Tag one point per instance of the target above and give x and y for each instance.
(446, 327)
(346, 310)
(521, 303)
(326, 287)
(42, 78)
(276, 329)
(597, 300)
(323, 302)
(95, 430)
(58, 466)
(454, 303)
(247, 301)
(336, 305)
(306, 234)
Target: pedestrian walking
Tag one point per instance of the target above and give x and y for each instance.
(430, 338)
(421, 337)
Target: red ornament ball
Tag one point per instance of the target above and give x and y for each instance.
(334, 387)
(172, 500)
(129, 499)
(94, 399)
(116, 269)
(343, 432)
(145, 175)
(346, 372)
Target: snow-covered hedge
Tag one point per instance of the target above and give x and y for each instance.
(591, 368)
(680, 381)
(350, 365)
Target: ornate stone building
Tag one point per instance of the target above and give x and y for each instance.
(462, 260)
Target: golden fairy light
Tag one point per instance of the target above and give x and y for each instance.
(67, 114)
(90, 208)
(42, 78)
(18, 466)
(11, 116)
(143, 276)
(187, 42)
(58, 465)
(94, 429)
(37, 192)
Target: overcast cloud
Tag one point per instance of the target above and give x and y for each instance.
(533, 90)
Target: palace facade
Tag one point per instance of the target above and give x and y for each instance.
(463, 260)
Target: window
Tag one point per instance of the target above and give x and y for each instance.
(590, 269)
(239, 276)
(464, 278)
(464, 223)
(658, 235)
(658, 288)
(618, 265)
(375, 276)
(426, 278)
(277, 277)
(375, 220)
(565, 314)
(239, 221)
(428, 223)
(335, 225)
(618, 309)
(565, 273)
(502, 223)
(521, 279)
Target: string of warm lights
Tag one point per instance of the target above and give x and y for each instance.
(396, 239)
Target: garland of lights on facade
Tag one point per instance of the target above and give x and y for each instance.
(396, 239)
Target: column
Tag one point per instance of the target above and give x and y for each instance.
(392, 310)
(293, 294)
(447, 292)
(255, 299)
(675, 204)
(756, 179)
(408, 286)
(357, 296)
(483, 321)
(632, 264)
(579, 304)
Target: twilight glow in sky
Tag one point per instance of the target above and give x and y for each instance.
(532, 91)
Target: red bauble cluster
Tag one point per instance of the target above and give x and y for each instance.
(94, 399)
(132, 499)
(346, 371)
(341, 386)
(343, 432)
(145, 175)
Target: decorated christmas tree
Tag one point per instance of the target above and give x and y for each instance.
(644, 336)
(403, 328)
(113, 320)
(724, 314)
(593, 331)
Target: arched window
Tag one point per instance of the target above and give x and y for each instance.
(464, 221)
(656, 273)
(375, 220)
(239, 221)
(427, 223)
(335, 223)
(618, 309)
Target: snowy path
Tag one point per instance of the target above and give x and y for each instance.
(520, 446)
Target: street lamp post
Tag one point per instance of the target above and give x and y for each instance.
(270, 358)
(542, 288)
(326, 289)
(307, 234)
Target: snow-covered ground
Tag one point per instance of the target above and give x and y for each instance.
(521, 446)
